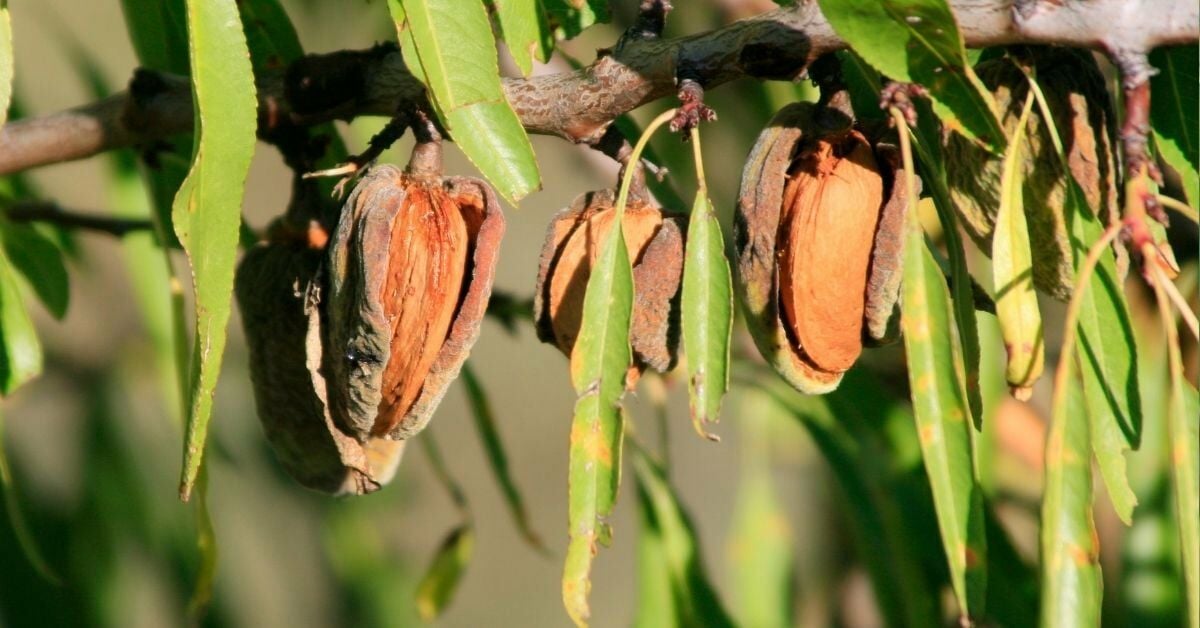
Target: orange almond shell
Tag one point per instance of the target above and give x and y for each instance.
(278, 293)
(655, 243)
(758, 225)
(411, 265)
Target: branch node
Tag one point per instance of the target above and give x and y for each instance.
(901, 96)
(692, 110)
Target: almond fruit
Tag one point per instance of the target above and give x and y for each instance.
(818, 231)
(655, 243)
(411, 265)
(278, 290)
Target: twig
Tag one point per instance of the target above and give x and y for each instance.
(1184, 209)
(579, 105)
(1164, 286)
(51, 213)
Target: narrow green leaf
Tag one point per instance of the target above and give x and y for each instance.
(1183, 437)
(40, 261)
(1070, 562)
(863, 467)
(6, 61)
(942, 418)
(669, 529)
(761, 547)
(274, 44)
(270, 35)
(1174, 100)
(655, 598)
(20, 351)
(441, 579)
(525, 30)
(485, 424)
(452, 46)
(491, 136)
(16, 518)
(207, 210)
(569, 18)
(598, 366)
(925, 140)
(158, 32)
(1012, 272)
(918, 41)
(1108, 349)
(707, 304)
(1108, 359)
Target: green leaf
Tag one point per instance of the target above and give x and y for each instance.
(1070, 557)
(598, 367)
(491, 136)
(761, 544)
(845, 430)
(274, 44)
(926, 144)
(525, 30)
(1174, 100)
(20, 351)
(16, 518)
(441, 579)
(158, 31)
(6, 61)
(917, 41)
(942, 418)
(707, 304)
(456, 56)
(485, 424)
(270, 35)
(672, 546)
(569, 18)
(1183, 435)
(40, 261)
(1108, 349)
(207, 209)
(1012, 272)
(1108, 359)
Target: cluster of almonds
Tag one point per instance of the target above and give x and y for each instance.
(352, 345)
(352, 348)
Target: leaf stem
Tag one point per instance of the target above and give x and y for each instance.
(1186, 210)
(1062, 372)
(699, 157)
(635, 156)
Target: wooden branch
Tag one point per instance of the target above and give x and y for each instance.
(580, 105)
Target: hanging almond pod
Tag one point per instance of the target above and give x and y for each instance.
(818, 235)
(411, 265)
(654, 240)
(279, 294)
(1075, 92)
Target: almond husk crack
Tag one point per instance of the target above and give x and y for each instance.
(411, 268)
(817, 231)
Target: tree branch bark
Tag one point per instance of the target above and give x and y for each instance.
(579, 106)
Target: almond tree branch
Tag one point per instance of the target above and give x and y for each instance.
(579, 105)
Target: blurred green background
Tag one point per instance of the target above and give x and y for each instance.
(94, 443)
